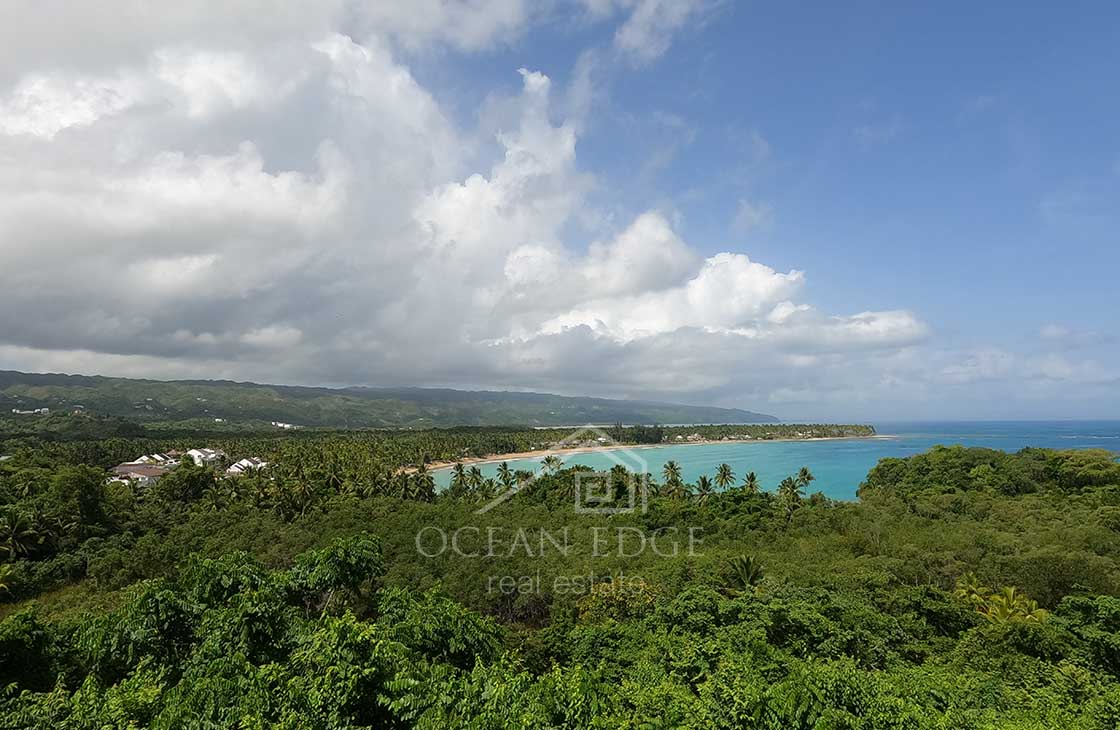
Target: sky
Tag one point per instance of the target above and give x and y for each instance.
(823, 212)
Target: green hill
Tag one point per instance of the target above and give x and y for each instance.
(185, 400)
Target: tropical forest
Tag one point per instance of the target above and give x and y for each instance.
(333, 585)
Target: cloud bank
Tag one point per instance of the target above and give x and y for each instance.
(289, 203)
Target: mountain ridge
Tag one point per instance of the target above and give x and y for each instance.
(145, 399)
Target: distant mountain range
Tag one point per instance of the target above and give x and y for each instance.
(190, 400)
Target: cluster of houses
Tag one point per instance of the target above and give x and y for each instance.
(146, 470)
(32, 412)
(695, 437)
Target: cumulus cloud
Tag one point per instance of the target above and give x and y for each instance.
(290, 204)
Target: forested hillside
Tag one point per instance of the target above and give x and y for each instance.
(179, 401)
(967, 588)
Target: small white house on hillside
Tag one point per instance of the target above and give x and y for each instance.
(206, 457)
(140, 475)
(246, 465)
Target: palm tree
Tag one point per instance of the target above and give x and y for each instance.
(487, 491)
(751, 484)
(475, 479)
(333, 477)
(745, 573)
(971, 589)
(18, 537)
(505, 475)
(424, 484)
(458, 479)
(672, 473)
(789, 494)
(703, 489)
(258, 488)
(678, 490)
(214, 498)
(552, 463)
(1009, 605)
(789, 489)
(295, 498)
(804, 476)
(725, 477)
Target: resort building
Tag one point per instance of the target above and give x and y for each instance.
(140, 475)
(206, 457)
(246, 465)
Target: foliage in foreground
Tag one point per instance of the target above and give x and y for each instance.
(967, 589)
(227, 643)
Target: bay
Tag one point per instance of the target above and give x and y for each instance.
(841, 465)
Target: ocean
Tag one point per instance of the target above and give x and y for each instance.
(840, 466)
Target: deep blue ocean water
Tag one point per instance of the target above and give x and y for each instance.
(841, 465)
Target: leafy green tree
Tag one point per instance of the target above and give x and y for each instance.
(338, 575)
(28, 656)
(439, 628)
(186, 482)
(6, 571)
(81, 489)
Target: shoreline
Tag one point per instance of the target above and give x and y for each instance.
(541, 453)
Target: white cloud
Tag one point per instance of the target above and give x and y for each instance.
(212, 81)
(42, 105)
(647, 33)
(290, 204)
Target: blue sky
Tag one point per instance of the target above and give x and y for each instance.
(858, 211)
(959, 160)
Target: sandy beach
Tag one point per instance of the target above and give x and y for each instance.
(542, 453)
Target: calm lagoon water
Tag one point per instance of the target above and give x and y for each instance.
(841, 465)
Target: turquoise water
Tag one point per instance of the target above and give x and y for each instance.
(841, 465)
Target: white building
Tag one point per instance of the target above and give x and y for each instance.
(246, 465)
(163, 460)
(140, 475)
(205, 457)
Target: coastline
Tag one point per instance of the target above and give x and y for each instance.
(541, 453)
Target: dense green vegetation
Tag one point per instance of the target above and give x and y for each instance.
(187, 403)
(967, 588)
